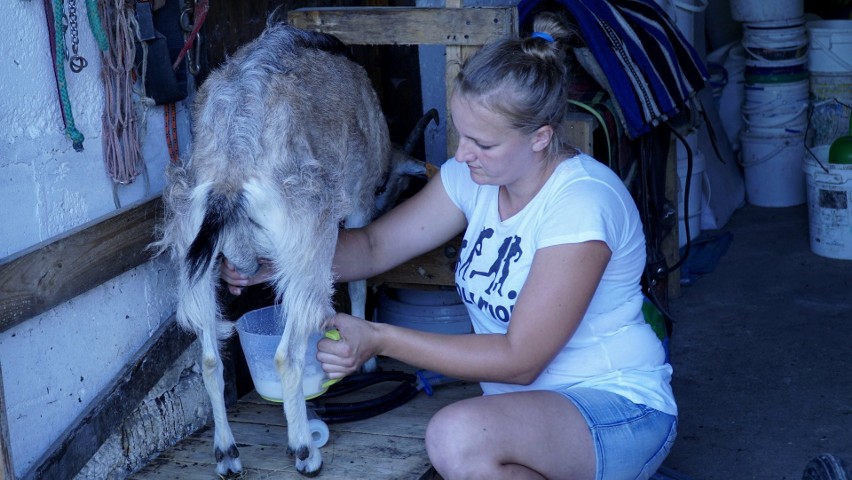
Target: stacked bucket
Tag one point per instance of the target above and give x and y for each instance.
(830, 66)
(829, 180)
(776, 100)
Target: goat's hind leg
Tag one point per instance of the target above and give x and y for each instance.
(306, 301)
(290, 363)
(198, 308)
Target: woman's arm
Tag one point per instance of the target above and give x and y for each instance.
(418, 225)
(423, 222)
(558, 290)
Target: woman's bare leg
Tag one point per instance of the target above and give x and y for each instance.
(514, 436)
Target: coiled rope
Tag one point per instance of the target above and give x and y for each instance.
(122, 150)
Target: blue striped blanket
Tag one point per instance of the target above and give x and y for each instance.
(650, 69)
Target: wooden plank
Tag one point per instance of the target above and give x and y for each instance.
(345, 457)
(408, 25)
(408, 420)
(387, 446)
(455, 57)
(61, 268)
(82, 439)
(579, 131)
(671, 242)
(7, 471)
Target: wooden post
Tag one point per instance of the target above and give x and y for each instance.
(670, 245)
(6, 468)
(455, 55)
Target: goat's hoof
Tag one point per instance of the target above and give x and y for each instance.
(228, 465)
(308, 461)
(309, 473)
(232, 476)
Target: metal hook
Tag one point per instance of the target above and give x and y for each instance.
(185, 24)
(195, 60)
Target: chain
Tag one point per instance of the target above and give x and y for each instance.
(76, 62)
(193, 55)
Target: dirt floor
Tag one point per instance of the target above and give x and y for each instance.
(762, 355)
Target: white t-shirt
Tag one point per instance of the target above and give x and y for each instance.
(613, 348)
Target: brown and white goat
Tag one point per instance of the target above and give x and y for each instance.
(289, 140)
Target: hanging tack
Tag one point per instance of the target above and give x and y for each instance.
(96, 25)
(70, 129)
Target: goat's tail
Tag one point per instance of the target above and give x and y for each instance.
(219, 210)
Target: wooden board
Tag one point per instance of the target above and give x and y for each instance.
(54, 271)
(579, 131)
(407, 25)
(387, 446)
(6, 468)
(671, 242)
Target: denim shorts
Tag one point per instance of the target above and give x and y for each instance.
(631, 441)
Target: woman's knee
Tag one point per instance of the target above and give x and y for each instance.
(448, 439)
(441, 432)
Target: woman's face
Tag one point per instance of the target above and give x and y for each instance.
(496, 153)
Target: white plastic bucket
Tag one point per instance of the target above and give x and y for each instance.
(692, 216)
(830, 46)
(829, 116)
(775, 106)
(408, 309)
(732, 57)
(829, 190)
(776, 42)
(762, 10)
(685, 16)
(772, 167)
(669, 7)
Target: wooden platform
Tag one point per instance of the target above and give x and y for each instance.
(387, 446)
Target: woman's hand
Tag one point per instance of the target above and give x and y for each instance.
(237, 281)
(357, 344)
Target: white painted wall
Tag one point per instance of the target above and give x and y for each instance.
(56, 363)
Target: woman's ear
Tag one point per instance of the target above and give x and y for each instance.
(542, 138)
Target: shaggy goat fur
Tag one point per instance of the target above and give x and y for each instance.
(288, 141)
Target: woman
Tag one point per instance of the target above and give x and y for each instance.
(576, 384)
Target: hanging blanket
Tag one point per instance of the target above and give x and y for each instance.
(644, 61)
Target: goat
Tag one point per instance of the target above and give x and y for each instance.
(289, 140)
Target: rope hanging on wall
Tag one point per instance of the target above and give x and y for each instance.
(122, 150)
(57, 33)
(59, 69)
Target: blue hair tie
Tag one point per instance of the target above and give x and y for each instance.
(542, 35)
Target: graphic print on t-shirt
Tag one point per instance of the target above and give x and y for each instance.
(491, 258)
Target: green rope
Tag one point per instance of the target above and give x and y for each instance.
(96, 25)
(70, 128)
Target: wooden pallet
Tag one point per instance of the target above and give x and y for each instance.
(387, 446)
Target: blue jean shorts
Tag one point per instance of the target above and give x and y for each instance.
(631, 441)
